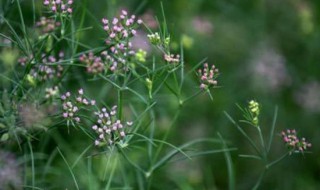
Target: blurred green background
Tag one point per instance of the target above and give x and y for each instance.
(267, 50)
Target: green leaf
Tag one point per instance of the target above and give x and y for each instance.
(4, 137)
(2, 126)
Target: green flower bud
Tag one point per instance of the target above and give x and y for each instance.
(141, 55)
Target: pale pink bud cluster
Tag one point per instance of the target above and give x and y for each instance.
(94, 64)
(120, 30)
(174, 59)
(51, 92)
(49, 68)
(108, 127)
(208, 76)
(59, 6)
(24, 60)
(291, 140)
(47, 25)
(73, 104)
(106, 61)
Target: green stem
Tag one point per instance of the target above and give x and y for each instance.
(120, 102)
(277, 160)
(32, 163)
(167, 134)
(262, 144)
(259, 180)
(192, 96)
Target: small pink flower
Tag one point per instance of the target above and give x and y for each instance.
(69, 10)
(95, 127)
(124, 12)
(65, 115)
(77, 119)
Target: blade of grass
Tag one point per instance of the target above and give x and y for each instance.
(50, 160)
(167, 133)
(137, 167)
(24, 30)
(166, 158)
(202, 153)
(111, 174)
(272, 128)
(32, 163)
(182, 67)
(151, 135)
(231, 175)
(146, 138)
(80, 156)
(69, 168)
(193, 69)
(89, 166)
(164, 24)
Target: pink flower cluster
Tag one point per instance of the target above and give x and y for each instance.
(293, 142)
(94, 64)
(49, 68)
(208, 76)
(59, 6)
(172, 58)
(109, 128)
(47, 25)
(120, 30)
(24, 60)
(72, 105)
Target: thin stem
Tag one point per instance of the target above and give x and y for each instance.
(120, 102)
(259, 180)
(152, 129)
(231, 175)
(192, 96)
(262, 143)
(272, 128)
(277, 160)
(111, 174)
(244, 134)
(32, 163)
(167, 134)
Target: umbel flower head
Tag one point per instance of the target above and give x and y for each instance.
(154, 38)
(48, 68)
(59, 6)
(208, 76)
(108, 127)
(116, 58)
(94, 64)
(72, 105)
(47, 25)
(292, 141)
(171, 58)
